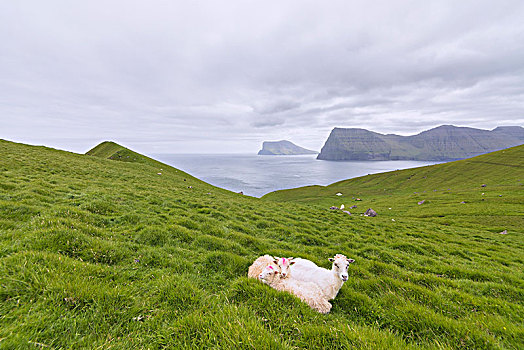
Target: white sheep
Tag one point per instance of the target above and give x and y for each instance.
(308, 292)
(329, 281)
(282, 264)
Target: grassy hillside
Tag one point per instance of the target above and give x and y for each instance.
(102, 254)
(497, 206)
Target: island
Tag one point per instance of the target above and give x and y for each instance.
(284, 147)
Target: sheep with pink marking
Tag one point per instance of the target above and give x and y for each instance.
(281, 264)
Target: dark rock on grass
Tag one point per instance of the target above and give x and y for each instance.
(370, 212)
(333, 208)
(352, 207)
(483, 185)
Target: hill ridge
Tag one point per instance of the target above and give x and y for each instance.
(114, 151)
(445, 142)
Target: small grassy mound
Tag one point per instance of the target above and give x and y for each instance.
(113, 151)
(105, 150)
(97, 253)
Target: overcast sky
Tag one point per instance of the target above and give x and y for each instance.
(223, 76)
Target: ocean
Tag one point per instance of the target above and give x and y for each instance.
(257, 175)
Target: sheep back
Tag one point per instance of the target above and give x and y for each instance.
(308, 292)
(308, 271)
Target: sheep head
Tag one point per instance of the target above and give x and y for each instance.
(284, 264)
(269, 274)
(340, 266)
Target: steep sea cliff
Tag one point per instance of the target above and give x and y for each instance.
(443, 143)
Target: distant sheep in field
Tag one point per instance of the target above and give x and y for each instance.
(282, 264)
(329, 281)
(308, 292)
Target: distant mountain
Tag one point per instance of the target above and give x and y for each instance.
(283, 147)
(446, 142)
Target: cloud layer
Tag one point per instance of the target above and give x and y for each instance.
(203, 76)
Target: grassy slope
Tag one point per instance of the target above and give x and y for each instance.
(442, 187)
(97, 253)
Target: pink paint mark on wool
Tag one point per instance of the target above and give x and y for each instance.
(284, 261)
(271, 267)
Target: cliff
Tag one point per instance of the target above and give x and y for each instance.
(283, 148)
(446, 142)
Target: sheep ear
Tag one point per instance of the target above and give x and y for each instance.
(331, 259)
(292, 262)
(275, 261)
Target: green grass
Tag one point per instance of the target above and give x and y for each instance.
(97, 253)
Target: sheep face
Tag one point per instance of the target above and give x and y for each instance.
(340, 266)
(284, 265)
(268, 275)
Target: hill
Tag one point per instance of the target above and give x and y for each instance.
(445, 142)
(98, 253)
(282, 148)
(442, 187)
(114, 151)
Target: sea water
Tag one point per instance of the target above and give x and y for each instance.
(257, 175)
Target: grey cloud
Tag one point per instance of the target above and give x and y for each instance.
(275, 106)
(267, 122)
(165, 73)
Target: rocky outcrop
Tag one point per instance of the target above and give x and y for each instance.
(282, 148)
(446, 142)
